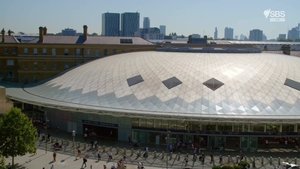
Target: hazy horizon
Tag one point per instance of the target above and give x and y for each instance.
(182, 17)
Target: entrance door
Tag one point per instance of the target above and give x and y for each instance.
(99, 132)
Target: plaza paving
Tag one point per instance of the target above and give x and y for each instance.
(157, 157)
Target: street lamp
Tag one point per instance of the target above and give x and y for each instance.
(46, 128)
(73, 135)
(168, 142)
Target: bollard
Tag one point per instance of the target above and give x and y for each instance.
(253, 163)
(237, 159)
(163, 155)
(178, 157)
(262, 161)
(131, 154)
(171, 154)
(117, 150)
(228, 159)
(270, 160)
(295, 160)
(154, 154)
(278, 161)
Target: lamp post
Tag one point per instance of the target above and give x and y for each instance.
(73, 135)
(168, 142)
(46, 129)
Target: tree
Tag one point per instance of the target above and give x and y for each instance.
(17, 134)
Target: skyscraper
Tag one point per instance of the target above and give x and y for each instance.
(256, 35)
(130, 23)
(162, 29)
(228, 33)
(110, 24)
(294, 34)
(146, 23)
(216, 33)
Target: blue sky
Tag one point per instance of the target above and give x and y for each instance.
(181, 16)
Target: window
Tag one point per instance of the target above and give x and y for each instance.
(14, 51)
(97, 53)
(53, 52)
(213, 84)
(126, 41)
(293, 84)
(171, 82)
(35, 51)
(135, 80)
(44, 51)
(25, 51)
(88, 52)
(5, 51)
(10, 62)
(78, 51)
(66, 66)
(66, 52)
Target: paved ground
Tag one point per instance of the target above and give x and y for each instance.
(157, 157)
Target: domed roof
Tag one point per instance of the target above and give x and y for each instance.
(256, 85)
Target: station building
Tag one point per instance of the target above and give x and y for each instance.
(214, 100)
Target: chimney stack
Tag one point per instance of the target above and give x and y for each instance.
(45, 30)
(3, 34)
(85, 32)
(41, 34)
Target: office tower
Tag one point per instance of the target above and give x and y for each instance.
(216, 33)
(281, 37)
(293, 34)
(228, 33)
(162, 29)
(146, 23)
(110, 24)
(256, 35)
(130, 23)
(68, 32)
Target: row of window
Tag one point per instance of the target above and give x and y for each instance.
(9, 51)
(197, 126)
(88, 52)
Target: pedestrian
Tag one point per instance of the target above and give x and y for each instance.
(52, 166)
(54, 156)
(99, 156)
(78, 153)
(104, 166)
(84, 162)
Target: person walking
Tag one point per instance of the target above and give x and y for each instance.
(99, 155)
(54, 156)
(78, 154)
(84, 162)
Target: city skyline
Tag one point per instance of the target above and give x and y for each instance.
(204, 16)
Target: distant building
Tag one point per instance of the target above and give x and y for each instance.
(110, 24)
(293, 34)
(264, 38)
(256, 35)
(68, 32)
(228, 33)
(150, 34)
(162, 29)
(243, 37)
(196, 39)
(216, 33)
(130, 23)
(281, 37)
(146, 23)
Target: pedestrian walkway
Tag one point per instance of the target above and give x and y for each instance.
(70, 154)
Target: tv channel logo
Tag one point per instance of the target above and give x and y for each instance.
(275, 15)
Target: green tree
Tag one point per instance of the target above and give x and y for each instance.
(17, 134)
(2, 162)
